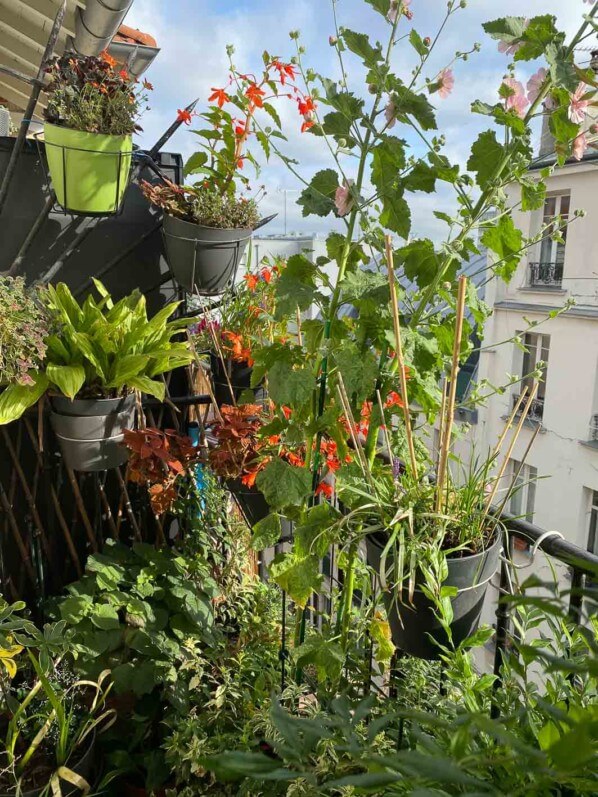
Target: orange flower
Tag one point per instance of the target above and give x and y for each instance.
(249, 478)
(239, 129)
(255, 94)
(220, 96)
(306, 105)
(274, 439)
(287, 411)
(108, 59)
(284, 71)
(124, 74)
(294, 459)
(266, 275)
(307, 125)
(393, 400)
(325, 489)
(147, 85)
(183, 116)
(251, 280)
(240, 163)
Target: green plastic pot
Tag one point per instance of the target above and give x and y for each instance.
(89, 171)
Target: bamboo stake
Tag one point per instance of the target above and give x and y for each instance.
(128, 505)
(299, 335)
(514, 439)
(399, 355)
(516, 475)
(509, 423)
(81, 507)
(384, 426)
(218, 348)
(207, 381)
(442, 422)
(450, 405)
(351, 421)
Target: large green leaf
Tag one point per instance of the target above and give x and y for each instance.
(127, 367)
(318, 197)
(408, 103)
(326, 656)
(506, 241)
(266, 532)
(359, 370)
(290, 385)
(359, 44)
(396, 214)
(284, 485)
(420, 261)
(146, 385)
(69, 379)
(486, 154)
(314, 533)
(299, 577)
(15, 399)
(296, 286)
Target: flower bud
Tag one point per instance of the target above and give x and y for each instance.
(372, 88)
(427, 41)
(332, 41)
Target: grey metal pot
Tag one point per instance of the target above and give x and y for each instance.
(90, 431)
(414, 626)
(203, 260)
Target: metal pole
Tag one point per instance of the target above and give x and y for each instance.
(30, 109)
(170, 132)
(35, 228)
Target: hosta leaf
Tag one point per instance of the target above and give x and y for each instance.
(15, 399)
(146, 385)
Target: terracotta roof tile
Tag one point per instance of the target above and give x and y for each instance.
(134, 36)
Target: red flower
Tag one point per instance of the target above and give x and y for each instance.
(287, 411)
(218, 95)
(124, 74)
(294, 459)
(393, 400)
(183, 116)
(284, 71)
(251, 280)
(306, 105)
(254, 94)
(240, 163)
(266, 275)
(107, 58)
(249, 478)
(240, 130)
(324, 488)
(274, 439)
(307, 125)
(147, 85)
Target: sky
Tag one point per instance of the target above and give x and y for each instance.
(193, 35)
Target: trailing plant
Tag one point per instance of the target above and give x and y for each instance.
(101, 349)
(25, 326)
(89, 94)
(238, 445)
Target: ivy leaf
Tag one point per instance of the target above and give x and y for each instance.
(421, 178)
(396, 215)
(420, 261)
(299, 577)
(266, 532)
(296, 286)
(359, 371)
(313, 534)
(486, 153)
(318, 197)
(505, 240)
(359, 43)
(408, 103)
(284, 485)
(289, 385)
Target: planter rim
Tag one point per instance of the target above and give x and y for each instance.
(119, 136)
(205, 227)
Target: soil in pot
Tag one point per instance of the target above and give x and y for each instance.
(239, 376)
(90, 171)
(203, 260)
(415, 629)
(90, 431)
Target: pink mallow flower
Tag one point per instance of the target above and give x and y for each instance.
(535, 83)
(510, 48)
(578, 106)
(580, 144)
(395, 7)
(343, 198)
(446, 82)
(516, 101)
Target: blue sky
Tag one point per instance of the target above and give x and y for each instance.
(193, 35)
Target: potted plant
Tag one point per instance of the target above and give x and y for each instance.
(207, 225)
(98, 355)
(48, 718)
(92, 111)
(23, 332)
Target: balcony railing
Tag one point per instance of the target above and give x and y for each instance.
(545, 275)
(594, 429)
(536, 411)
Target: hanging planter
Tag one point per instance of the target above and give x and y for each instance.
(90, 432)
(229, 391)
(414, 625)
(203, 260)
(250, 501)
(89, 171)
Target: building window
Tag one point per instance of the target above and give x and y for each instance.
(535, 355)
(548, 271)
(523, 496)
(593, 531)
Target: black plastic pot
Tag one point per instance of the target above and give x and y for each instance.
(84, 767)
(203, 260)
(239, 376)
(250, 500)
(415, 629)
(90, 431)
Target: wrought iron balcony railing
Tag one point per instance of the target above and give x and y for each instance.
(545, 275)
(536, 411)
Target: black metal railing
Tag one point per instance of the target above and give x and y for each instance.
(545, 275)
(536, 410)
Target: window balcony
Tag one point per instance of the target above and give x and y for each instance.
(545, 275)
(536, 411)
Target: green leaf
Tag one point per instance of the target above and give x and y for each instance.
(15, 399)
(73, 609)
(396, 215)
(359, 370)
(273, 113)
(299, 577)
(486, 154)
(105, 617)
(284, 485)
(146, 385)
(408, 103)
(533, 194)
(420, 261)
(265, 143)
(318, 197)
(506, 241)
(296, 286)
(388, 160)
(196, 162)
(421, 178)
(290, 385)
(266, 532)
(381, 6)
(538, 35)
(359, 44)
(236, 765)
(314, 534)
(326, 656)
(417, 43)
